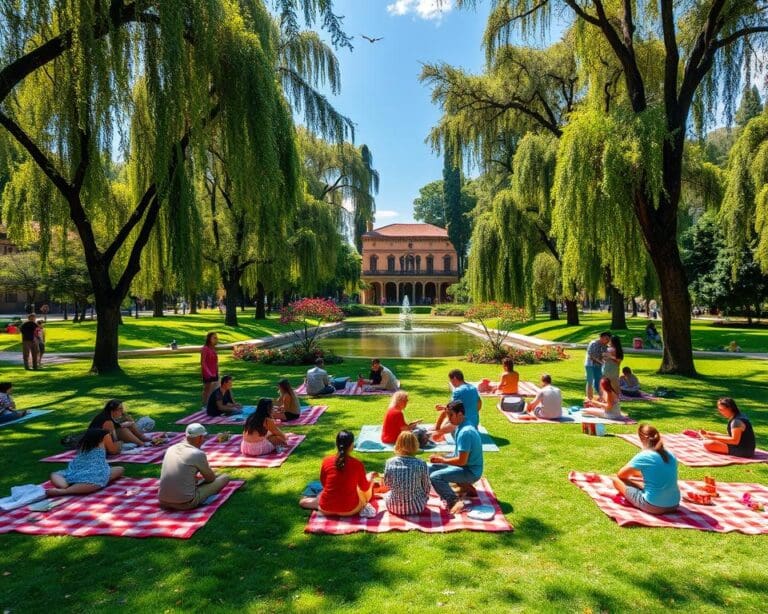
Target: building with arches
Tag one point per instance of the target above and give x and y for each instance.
(413, 260)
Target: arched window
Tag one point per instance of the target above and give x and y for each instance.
(430, 265)
(374, 263)
(418, 264)
(447, 263)
(410, 264)
(402, 263)
(391, 264)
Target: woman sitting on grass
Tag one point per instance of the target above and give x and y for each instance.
(346, 487)
(288, 406)
(88, 471)
(608, 406)
(120, 425)
(629, 384)
(509, 378)
(406, 477)
(8, 411)
(260, 434)
(740, 440)
(649, 480)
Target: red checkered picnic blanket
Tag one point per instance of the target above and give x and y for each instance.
(125, 508)
(524, 389)
(150, 454)
(727, 513)
(350, 391)
(434, 519)
(690, 451)
(307, 417)
(227, 454)
(575, 418)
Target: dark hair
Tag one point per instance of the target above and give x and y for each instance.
(344, 440)
(626, 370)
(285, 386)
(508, 363)
(110, 406)
(730, 404)
(456, 407)
(605, 333)
(256, 420)
(319, 362)
(616, 343)
(91, 439)
(225, 379)
(456, 374)
(375, 361)
(6, 386)
(209, 336)
(649, 433)
(605, 384)
(546, 378)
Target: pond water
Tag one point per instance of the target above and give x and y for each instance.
(393, 342)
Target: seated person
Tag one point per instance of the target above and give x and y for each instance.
(509, 378)
(89, 470)
(260, 433)
(179, 486)
(628, 383)
(740, 440)
(649, 480)
(318, 381)
(652, 335)
(464, 467)
(121, 426)
(8, 411)
(287, 406)
(221, 402)
(381, 378)
(608, 406)
(470, 399)
(406, 477)
(547, 404)
(346, 487)
(394, 420)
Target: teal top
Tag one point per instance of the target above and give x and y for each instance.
(660, 478)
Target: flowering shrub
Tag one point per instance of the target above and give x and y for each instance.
(294, 355)
(489, 354)
(506, 317)
(308, 313)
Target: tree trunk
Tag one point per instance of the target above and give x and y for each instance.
(231, 282)
(260, 295)
(192, 303)
(572, 312)
(241, 295)
(634, 307)
(105, 351)
(76, 313)
(65, 317)
(618, 316)
(553, 315)
(157, 300)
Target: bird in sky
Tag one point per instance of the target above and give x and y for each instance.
(372, 39)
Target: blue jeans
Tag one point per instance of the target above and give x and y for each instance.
(442, 476)
(594, 373)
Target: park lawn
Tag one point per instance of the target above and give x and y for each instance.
(253, 556)
(148, 332)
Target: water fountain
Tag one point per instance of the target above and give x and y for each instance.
(406, 315)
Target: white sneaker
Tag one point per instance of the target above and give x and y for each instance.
(368, 511)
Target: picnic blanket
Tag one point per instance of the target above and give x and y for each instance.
(434, 519)
(309, 415)
(142, 455)
(369, 440)
(727, 513)
(227, 454)
(32, 413)
(524, 389)
(570, 416)
(125, 508)
(644, 396)
(690, 451)
(350, 391)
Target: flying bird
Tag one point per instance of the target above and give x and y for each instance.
(371, 39)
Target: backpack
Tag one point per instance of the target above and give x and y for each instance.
(512, 404)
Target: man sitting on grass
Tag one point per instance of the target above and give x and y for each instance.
(221, 402)
(464, 467)
(547, 404)
(318, 381)
(469, 397)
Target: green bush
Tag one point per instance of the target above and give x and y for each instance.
(418, 309)
(488, 353)
(294, 355)
(357, 310)
(450, 309)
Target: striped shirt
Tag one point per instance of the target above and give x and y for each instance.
(408, 481)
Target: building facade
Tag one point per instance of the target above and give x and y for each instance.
(413, 260)
(10, 302)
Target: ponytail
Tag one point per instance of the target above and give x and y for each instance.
(344, 441)
(651, 439)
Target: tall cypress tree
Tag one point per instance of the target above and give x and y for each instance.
(458, 226)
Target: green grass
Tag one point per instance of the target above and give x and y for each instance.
(565, 555)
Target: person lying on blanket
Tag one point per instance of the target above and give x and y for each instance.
(509, 378)
(318, 381)
(629, 384)
(89, 470)
(608, 406)
(464, 467)
(260, 433)
(179, 486)
(406, 477)
(740, 440)
(547, 404)
(121, 426)
(394, 420)
(470, 399)
(221, 401)
(8, 411)
(287, 406)
(381, 378)
(649, 480)
(346, 487)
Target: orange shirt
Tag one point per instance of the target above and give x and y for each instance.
(508, 383)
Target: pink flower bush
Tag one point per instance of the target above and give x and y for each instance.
(309, 312)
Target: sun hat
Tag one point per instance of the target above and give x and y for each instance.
(195, 430)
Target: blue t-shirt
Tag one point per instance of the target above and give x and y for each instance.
(468, 440)
(660, 478)
(470, 398)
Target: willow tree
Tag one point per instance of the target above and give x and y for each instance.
(67, 76)
(703, 44)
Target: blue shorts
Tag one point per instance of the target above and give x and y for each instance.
(594, 373)
(636, 497)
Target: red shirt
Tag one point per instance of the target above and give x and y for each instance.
(340, 487)
(209, 361)
(394, 421)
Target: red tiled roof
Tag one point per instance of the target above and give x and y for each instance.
(408, 230)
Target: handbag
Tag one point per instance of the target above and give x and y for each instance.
(339, 383)
(513, 404)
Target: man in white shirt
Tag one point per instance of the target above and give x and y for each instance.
(318, 381)
(548, 403)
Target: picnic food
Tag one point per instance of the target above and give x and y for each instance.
(223, 437)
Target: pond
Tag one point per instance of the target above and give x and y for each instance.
(390, 341)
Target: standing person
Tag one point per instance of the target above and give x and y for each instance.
(381, 378)
(470, 399)
(8, 412)
(740, 440)
(221, 401)
(288, 406)
(179, 486)
(394, 420)
(29, 342)
(318, 381)
(510, 379)
(593, 362)
(209, 365)
(260, 433)
(89, 470)
(40, 338)
(464, 467)
(649, 480)
(548, 402)
(346, 487)
(608, 406)
(406, 477)
(612, 358)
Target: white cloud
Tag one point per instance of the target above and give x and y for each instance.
(426, 9)
(386, 215)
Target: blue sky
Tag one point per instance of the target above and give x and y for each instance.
(381, 93)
